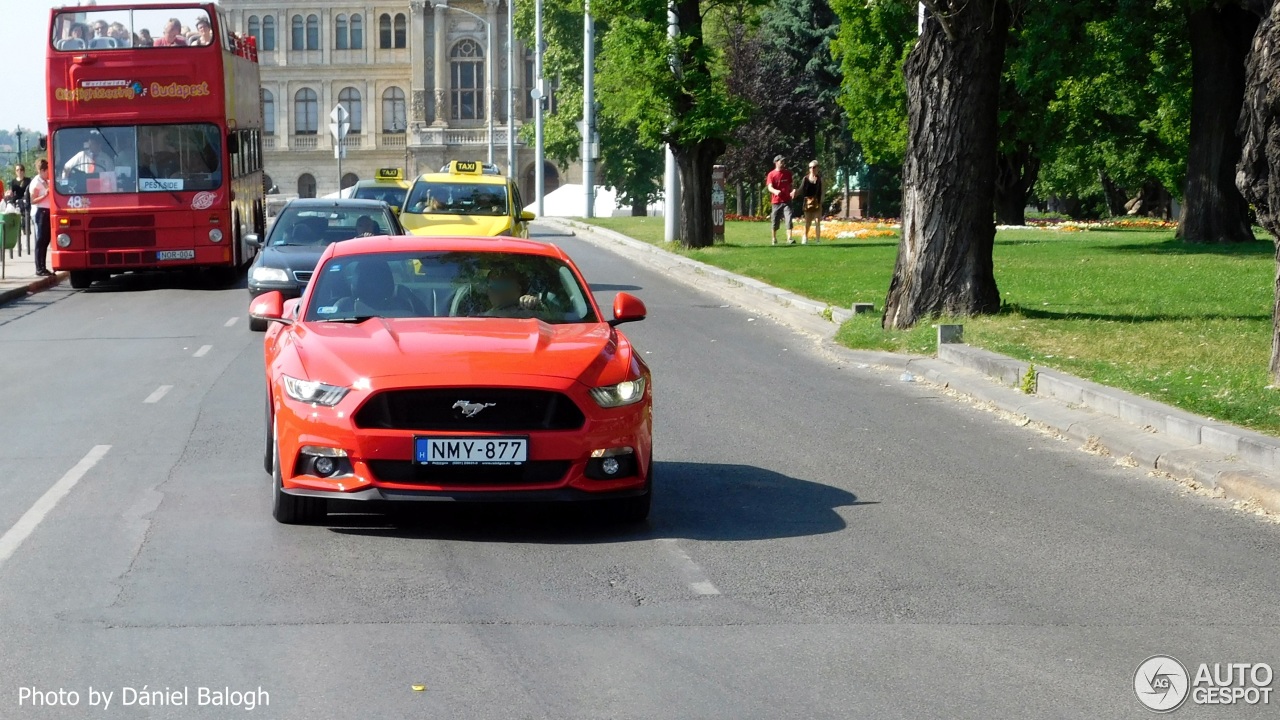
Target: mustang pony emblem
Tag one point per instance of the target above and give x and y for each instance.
(470, 409)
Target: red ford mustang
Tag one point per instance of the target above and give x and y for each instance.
(420, 368)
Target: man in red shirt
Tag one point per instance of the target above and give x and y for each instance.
(779, 183)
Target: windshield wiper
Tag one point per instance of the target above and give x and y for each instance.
(355, 320)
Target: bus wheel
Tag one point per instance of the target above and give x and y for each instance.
(81, 279)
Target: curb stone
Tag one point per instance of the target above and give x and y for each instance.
(1234, 462)
(31, 288)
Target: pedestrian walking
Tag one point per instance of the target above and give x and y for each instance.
(40, 201)
(16, 193)
(811, 195)
(779, 183)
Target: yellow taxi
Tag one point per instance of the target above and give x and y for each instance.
(388, 185)
(465, 198)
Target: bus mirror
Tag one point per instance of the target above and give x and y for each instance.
(233, 143)
(44, 144)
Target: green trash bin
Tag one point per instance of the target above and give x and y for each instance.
(10, 229)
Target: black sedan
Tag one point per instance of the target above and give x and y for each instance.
(304, 228)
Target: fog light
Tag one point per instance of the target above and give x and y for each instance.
(215, 235)
(611, 463)
(324, 466)
(609, 466)
(64, 240)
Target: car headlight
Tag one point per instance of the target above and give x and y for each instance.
(266, 274)
(312, 391)
(624, 393)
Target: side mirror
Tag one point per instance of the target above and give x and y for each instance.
(268, 306)
(526, 216)
(253, 239)
(233, 143)
(627, 308)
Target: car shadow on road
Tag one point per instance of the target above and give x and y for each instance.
(147, 280)
(698, 501)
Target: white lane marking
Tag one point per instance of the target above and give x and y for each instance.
(693, 575)
(26, 524)
(159, 393)
(204, 350)
(231, 322)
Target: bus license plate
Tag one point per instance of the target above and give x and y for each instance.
(175, 255)
(470, 450)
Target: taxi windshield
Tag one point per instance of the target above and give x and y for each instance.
(389, 194)
(355, 288)
(455, 198)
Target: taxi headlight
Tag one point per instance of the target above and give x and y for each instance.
(312, 391)
(624, 393)
(266, 274)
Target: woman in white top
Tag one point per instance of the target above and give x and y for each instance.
(39, 192)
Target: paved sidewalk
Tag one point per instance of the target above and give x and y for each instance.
(1223, 459)
(20, 278)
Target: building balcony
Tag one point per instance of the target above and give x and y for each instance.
(304, 142)
(391, 140)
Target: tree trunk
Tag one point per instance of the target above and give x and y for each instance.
(1214, 211)
(695, 162)
(1016, 174)
(944, 261)
(741, 199)
(1258, 173)
(1116, 197)
(639, 207)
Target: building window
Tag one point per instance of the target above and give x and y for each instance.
(268, 112)
(401, 30)
(357, 32)
(340, 32)
(254, 28)
(349, 179)
(297, 40)
(384, 31)
(306, 112)
(306, 185)
(349, 98)
(268, 34)
(466, 65)
(393, 118)
(313, 32)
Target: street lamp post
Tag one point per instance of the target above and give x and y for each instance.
(488, 71)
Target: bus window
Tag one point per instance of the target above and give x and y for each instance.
(89, 29)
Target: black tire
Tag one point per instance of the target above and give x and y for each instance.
(290, 509)
(81, 279)
(257, 324)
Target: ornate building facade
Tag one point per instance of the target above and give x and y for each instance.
(412, 76)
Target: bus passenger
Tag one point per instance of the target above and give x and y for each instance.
(172, 34)
(204, 33)
(121, 35)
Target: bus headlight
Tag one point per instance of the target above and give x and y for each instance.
(64, 240)
(215, 235)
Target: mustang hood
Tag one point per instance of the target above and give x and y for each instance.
(477, 347)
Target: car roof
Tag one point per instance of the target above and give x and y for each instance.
(424, 243)
(344, 203)
(379, 182)
(463, 179)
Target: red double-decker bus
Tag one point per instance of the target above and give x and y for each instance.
(155, 122)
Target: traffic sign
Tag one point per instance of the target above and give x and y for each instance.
(341, 124)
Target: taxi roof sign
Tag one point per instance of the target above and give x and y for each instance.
(390, 174)
(464, 167)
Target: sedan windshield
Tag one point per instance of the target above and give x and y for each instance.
(322, 226)
(448, 284)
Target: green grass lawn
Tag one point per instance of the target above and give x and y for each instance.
(1135, 309)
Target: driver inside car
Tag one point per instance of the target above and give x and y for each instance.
(508, 296)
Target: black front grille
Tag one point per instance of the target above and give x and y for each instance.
(110, 239)
(538, 472)
(122, 221)
(445, 410)
(303, 276)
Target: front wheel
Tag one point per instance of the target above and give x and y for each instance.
(81, 279)
(633, 510)
(289, 509)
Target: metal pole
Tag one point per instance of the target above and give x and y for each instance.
(511, 91)
(671, 191)
(488, 71)
(539, 179)
(920, 20)
(588, 109)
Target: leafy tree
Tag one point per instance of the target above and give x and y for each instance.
(871, 46)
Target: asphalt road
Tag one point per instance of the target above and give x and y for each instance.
(826, 542)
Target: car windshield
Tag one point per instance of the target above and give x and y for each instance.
(448, 284)
(391, 195)
(448, 198)
(322, 226)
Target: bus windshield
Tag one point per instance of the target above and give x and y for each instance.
(137, 158)
(79, 29)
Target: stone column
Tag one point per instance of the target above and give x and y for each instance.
(441, 85)
(418, 44)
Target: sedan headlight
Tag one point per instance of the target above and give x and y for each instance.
(311, 391)
(266, 274)
(624, 393)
